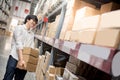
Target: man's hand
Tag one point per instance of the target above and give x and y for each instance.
(21, 64)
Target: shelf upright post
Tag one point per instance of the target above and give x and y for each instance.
(46, 26)
(60, 24)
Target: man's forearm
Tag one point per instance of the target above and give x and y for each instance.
(20, 56)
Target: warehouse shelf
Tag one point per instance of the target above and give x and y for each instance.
(8, 3)
(0, 7)
(97, 56)
(59, 7)
(53, 11)
(3, 21)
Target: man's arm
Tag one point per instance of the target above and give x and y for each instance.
(19, 45)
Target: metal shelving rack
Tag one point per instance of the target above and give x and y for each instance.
(90, 54)
(5, 7)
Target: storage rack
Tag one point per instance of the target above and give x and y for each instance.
(74, 48)
(5, 8)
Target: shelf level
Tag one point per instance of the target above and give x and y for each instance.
(97, 56)
(3, 22)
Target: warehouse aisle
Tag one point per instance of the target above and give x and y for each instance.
(5, 43)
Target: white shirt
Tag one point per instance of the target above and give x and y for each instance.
(21, 38)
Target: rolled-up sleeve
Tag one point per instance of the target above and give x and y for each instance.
(18, 37)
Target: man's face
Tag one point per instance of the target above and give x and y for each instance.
(31, 23)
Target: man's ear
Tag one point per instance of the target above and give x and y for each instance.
(27, 20)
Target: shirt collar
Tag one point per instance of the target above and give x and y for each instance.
(26, 28)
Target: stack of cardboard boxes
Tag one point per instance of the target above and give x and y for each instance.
(44, 71)
(73, 69)
(30, 57)
(54, 72)
(108, 33)
(72, 7)
(5, 32)
(2, 32)
(99, 27)
(42, 66)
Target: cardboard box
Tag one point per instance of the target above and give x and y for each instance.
(69, 76)
(59, 78)
(30, 59)
(59, 71)
(78, 4)
(50, 76)
(108, 37)
(87, 36)
(51, 69)
(41, 76)
(30, 51)
(8, 33)
(110, 20)
(39, 73)
(46, 62)
(67, 35)
(66, 74)
(74, 37)
(72, 68)
(74, 60)
(68, 22)
(38, 70)
(73, 77)
(91, 22)
(31, 67)
(2, 32)
(83, 36)
(109, 7)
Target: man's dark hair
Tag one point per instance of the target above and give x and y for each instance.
(33, 17)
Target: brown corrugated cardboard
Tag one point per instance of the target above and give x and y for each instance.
(59, 71)
(50, 76)
(8, 33)
(108, 37)
(59, 78)
(30, 51)
(39, 73)
(74, 37)
(109, 7)
(67, 35)
(91, 22)
(74, 60)
(87, 36)
(46, 62)
(38, 70)
(72, 68)
(110, 20)
(83, 36)
(78, 4)
(2, 32)
(31, 67)
(66, 74)
(30, 59)
(73, 77)
(51, 69)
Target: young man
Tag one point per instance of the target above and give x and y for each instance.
(22, 37)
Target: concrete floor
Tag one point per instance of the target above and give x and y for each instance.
(5, 43)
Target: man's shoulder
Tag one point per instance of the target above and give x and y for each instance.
(19, 27)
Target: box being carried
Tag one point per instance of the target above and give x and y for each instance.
(30, 57)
